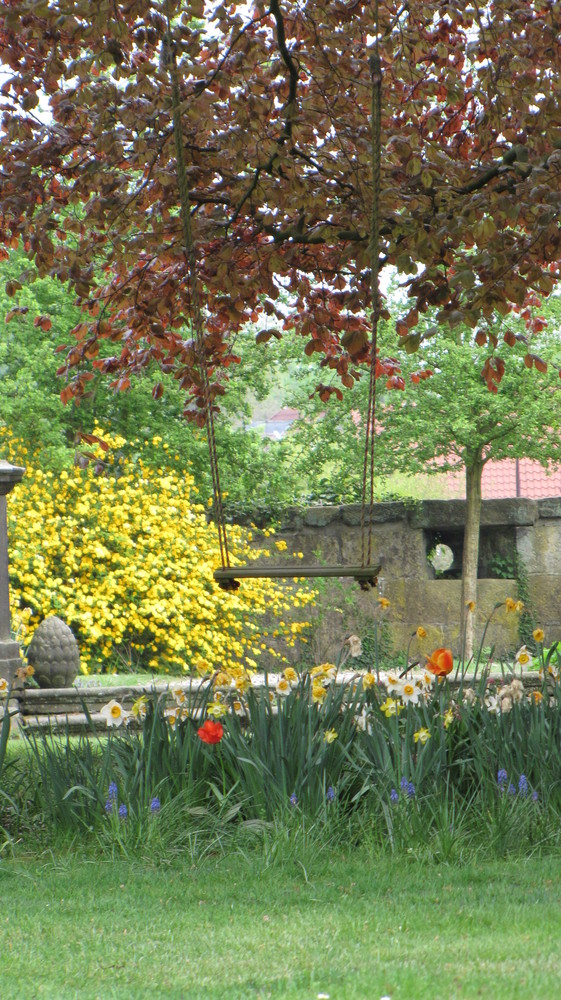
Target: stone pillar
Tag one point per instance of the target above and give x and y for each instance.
(10, 653)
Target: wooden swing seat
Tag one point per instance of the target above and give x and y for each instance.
(229, 577)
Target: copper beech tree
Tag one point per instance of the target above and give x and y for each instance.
(275, 122)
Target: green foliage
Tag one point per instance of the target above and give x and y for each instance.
(462, 770)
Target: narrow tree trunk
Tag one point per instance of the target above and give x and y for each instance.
(471, 551)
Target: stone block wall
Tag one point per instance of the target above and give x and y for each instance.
(401, 536)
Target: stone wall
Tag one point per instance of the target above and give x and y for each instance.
(402, 533)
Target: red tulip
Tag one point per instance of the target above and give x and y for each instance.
(210, 732)
(441, 662)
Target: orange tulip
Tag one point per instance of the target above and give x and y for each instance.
(441, 662)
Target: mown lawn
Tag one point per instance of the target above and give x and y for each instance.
(351, 926)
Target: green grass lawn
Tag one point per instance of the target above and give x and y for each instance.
(350, 926)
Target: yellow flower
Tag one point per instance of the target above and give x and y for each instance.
(216, 709)
(324, 669)
(319, 693)
(283, 687)
(421, 632)
(222, 679)
(330, 736)
(3, 686)
(290, 675)
(448, 718)
(536, 696)
(389, 707)
(422, 735)
(368, 680)
(538, 635)
(139, 707)
(512, 605)
(384, 603)
(470, 605)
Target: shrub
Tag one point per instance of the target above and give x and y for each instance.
(124, 553)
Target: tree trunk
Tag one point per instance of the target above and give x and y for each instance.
(471, 551)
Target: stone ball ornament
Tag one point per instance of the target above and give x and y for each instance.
(54, 654)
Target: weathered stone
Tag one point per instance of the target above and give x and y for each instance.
(446, 514)
(516, 511)
(550, 507)
(539, 548)
(318, 517)
(399, 550)
(545, 601)
(53, 653)
(393, 511)
(437, 604)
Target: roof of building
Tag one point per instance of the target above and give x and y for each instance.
(511, 478)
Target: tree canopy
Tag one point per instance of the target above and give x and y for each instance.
(275, 119)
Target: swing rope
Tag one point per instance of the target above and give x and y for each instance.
(365, 574)
(196, 311)
(374, 252)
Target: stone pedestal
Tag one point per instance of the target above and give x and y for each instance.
(10, 652)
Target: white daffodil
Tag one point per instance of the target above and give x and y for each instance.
(394, 684)
(114, 714)
(492, 704)
(173, 715)
(523, 658)
(177, 693)
(3, 686)
(283, 687)
(410, 693)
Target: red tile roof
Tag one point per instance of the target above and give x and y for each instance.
(504, 479)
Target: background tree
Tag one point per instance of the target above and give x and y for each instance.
(275, 106)
(453, 422)
(255, 471)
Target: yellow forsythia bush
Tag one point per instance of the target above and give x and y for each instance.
(126, 559)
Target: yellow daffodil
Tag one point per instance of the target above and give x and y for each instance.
(422, 735)
(330, 735)
(290, 675)
(538, 635)
(384, 603)
(470, 605)
(421, 632)
(319, 692)
(140, 706)
(448, 718)
(216, 709)
(368, 680)
(389, 707)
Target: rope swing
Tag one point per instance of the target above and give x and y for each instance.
(227, 576)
